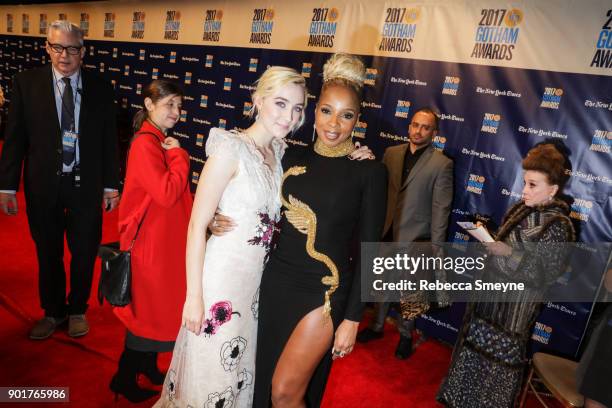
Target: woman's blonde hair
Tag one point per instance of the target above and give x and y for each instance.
(344, 70)
(271, 80)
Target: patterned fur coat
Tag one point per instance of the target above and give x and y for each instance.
(489, 359)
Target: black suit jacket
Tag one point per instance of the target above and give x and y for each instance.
(33, 137)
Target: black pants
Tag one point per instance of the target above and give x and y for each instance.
(82, 222)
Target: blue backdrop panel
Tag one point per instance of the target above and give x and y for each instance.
(491, 116)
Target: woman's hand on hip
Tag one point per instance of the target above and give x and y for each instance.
(344, 340)
(193, 314)
(221, 224)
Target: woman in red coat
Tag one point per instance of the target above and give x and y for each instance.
(156, 192)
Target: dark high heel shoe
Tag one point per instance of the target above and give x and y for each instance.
(132, 392)
(124, 380)
(148, 367)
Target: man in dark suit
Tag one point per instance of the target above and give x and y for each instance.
(61, 128)
(420, 194)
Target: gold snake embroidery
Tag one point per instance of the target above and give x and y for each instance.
(304, 220)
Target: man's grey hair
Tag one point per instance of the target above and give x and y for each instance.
(67, 27)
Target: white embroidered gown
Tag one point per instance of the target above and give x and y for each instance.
(217, 368)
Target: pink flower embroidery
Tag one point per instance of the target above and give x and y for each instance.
(221, 313)
(266, 234)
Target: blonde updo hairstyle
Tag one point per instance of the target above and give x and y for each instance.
(274, 78)
(344, 70)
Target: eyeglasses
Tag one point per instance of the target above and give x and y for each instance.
(58, 49)
(416, 126)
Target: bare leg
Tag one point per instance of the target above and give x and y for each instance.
(307, 345)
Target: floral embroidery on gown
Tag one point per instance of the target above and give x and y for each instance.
(217, 368)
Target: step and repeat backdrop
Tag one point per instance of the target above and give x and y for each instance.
(503, 75)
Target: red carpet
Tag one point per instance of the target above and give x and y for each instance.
(370, 377)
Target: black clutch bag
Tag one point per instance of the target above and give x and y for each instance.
(115, 276)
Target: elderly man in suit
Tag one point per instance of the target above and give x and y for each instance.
(418, 205)
(61, 129)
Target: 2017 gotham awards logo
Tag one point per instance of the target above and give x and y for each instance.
(253, 64)
(581, 209)
(439, 142)
(109, 25)
(371, 75)
(475, 184)
(212, 25)
(84, 23)
(42, 25)
(602, 141)
(490, 123)
(322, 30)
(25, 23)
(208, 61)
(402, 109)
(551, 98)
(603, 46)
(494, 41)
(451, 85)
(306, 69)
(173, 25)
(459, 241)
(541, 333)
(262, 25)
(399, 29)
(360, 129)
(138, 25)
(246, 108)
(199, 139)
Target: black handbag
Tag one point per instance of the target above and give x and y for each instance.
(115, 283)
(116, 275)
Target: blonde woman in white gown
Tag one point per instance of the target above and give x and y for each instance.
(213, 364)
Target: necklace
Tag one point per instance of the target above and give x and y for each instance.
(343, 149)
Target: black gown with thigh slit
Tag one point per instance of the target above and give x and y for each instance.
(348, 199)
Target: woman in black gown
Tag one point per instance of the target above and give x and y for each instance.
(309, 303)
